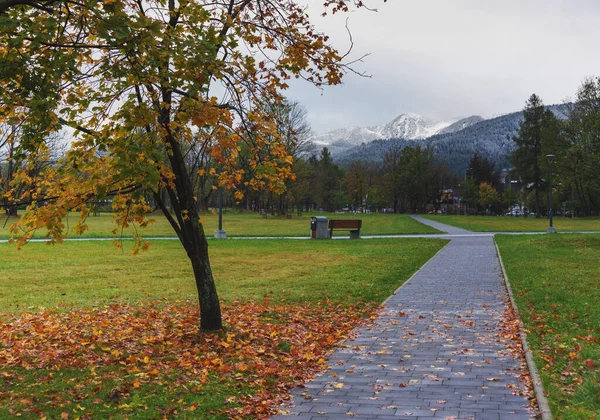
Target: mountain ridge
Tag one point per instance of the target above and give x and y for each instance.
(408, 126)
(490, 138)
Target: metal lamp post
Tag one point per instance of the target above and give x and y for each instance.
(550, 229)
(220, 233)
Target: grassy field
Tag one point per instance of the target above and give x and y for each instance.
(251, 224)
(516, 224)
(89, 273)
(556, 282)
(116, 341)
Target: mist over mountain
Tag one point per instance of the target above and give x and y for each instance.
(453, 144)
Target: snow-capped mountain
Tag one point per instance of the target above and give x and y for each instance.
(351, 135)
(406, 126)
(461, 124)
(411, 127)
(454, 145)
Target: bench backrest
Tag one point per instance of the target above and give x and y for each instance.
(345, 224)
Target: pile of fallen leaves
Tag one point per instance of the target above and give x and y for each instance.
(510, 335)
(266, 348)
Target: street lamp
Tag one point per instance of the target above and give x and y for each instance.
(220, 233)
(550, 229)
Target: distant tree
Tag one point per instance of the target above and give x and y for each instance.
(578, 154)
(535, 132)
(482, 170)
(358, 181)
(391, 182)
(293, 127)
(9, 134)
(299, 190)
(329, 179)
(488, 195)
(15, 162)
(443, 181)
(417, 174)
(509, 197)
(470, 194)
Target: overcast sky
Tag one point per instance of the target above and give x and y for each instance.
(447, 59)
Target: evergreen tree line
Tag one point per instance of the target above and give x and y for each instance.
(411, 177)
(571, 145)
(409, 180)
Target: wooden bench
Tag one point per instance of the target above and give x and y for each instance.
(264, 213)
(352, 225)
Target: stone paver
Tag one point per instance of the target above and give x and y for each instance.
(434, 351)
(442, 226)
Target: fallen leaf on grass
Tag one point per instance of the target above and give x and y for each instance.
(158, 346)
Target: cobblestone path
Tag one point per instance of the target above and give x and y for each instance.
(434, 352)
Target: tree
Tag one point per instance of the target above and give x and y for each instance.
(535, 131)
(358, 181)
(391, 177)
(11, 156)
(8, 141)
(326, 180)
(470, 194)
(488, 195)
(578, 152)
(139, 83)
(417, 169)
(482, 170)
(509, 197)
(293, 126)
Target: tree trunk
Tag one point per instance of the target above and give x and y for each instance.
(186, 223)
(192, 237)
(196, 246)
(11, 211)
(210, 309)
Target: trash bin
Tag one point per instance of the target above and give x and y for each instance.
(318, 227)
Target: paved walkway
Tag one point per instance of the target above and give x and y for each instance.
(433, 353)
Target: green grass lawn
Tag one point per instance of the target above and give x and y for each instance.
(116, 341)
(516, 224)
(252, 224)
(556, 282)
(88, 273)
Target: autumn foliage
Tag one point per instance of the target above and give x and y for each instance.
(266, 350)
(146, 87)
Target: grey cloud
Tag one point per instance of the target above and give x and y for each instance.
(446, 59)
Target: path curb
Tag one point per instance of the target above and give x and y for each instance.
(538, 387)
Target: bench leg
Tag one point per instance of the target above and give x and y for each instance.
(354, 234)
